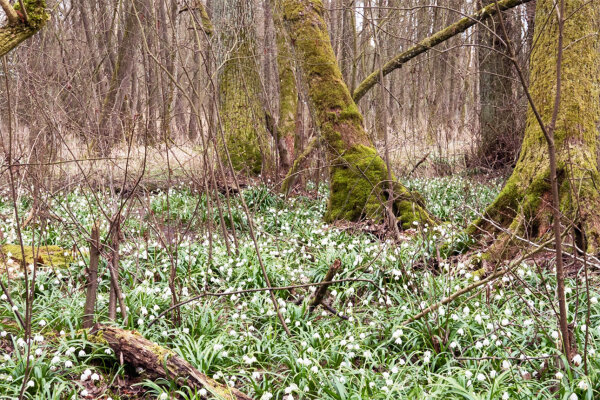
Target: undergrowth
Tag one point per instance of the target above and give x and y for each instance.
(496, 343)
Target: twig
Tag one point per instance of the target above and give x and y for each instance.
(421, 161)
(11, 13)
(475, 285)
(267, 289)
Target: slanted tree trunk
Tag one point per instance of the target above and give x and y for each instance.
(424, 45)
(241, 108)
(18, 29)
(524, 204)
(498, 140)
(358, 176)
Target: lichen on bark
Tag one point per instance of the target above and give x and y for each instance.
(358, 176)
(524, 204)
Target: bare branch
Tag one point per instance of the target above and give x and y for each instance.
(11, 13)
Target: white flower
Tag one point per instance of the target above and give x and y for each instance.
(582, 385)
(480, 377)
(266, 396)
(68, 364)
(30, 384)
(292, 388)
(554, 335)
(94, 377)
(505, 364)
(559, 375)
(163, 396)
(573, 396)
(203, 392)
(81, 353)
(577, 359)
(426, 357)
(505, 396)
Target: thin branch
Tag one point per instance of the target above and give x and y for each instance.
(11, 13)
(267, 289)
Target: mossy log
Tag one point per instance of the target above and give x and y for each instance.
(16, 31)
(358, 176)
(159, 362)
(524, 206)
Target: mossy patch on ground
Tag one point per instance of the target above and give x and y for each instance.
(52, 256)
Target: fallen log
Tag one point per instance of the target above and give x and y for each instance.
(158, 361)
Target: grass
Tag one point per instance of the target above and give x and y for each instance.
(496, 344)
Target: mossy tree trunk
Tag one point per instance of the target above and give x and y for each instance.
(358, 176)
(288, 94)
(241, 108)
(18, 29)
(524, 204)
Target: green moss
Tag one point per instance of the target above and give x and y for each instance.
(359, 186)
(525, 200)
(241, 109)
(36, 13)
(353, 185)
(358, 176)
(53, 256)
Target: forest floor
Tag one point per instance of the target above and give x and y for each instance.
(499, 342)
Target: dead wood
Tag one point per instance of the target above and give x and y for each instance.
(159, 362)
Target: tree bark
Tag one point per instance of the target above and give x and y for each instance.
(241, 108)
(159, 362)
(358, 175)
(524, 204)
(92, 278)
(433, 40)
(498, 140)
(16, 31)
(288, 94)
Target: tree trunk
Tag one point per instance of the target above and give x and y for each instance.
(110, 125)
(15, 32)
(524, 204)
(357, 173)
(498, 140)
(288, 96)
(241, 108)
